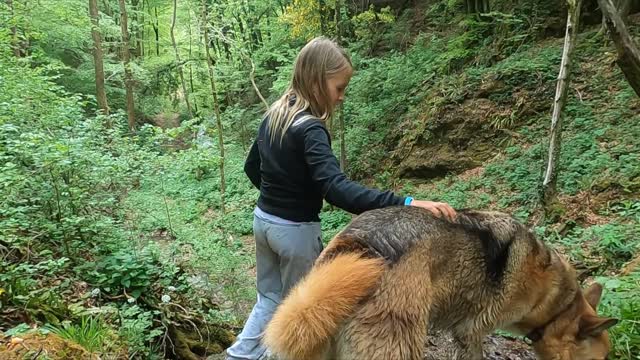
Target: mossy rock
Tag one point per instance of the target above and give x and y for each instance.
(50, 346)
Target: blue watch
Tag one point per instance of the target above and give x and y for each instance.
(408, 200)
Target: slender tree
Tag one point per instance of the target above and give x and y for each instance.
(191, 87)
(143, 26)
(19, 34)
(216, 105)
(14, 30)
(178, 61)
(126, 58)
(551, 174)
(477, 6)
(343, 144)
(156, 30)
(107, 7)
(101, 95)
(136, 26)
(322, 6)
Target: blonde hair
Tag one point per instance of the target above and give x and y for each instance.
(317, 61)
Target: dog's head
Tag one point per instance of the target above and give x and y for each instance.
(577, 333)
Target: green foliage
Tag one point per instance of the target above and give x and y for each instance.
(620, 300)
(600, 154)
(90, 333)
(18, 330)
(138, 330)
(124, 270)
(304, 18)
(333, 221)
(604, 246)
(520, 172)
(465, 45)
(29, 287)
(627, 208)
(369, 26)
(382, 88)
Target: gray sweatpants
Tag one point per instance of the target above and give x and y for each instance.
(284, 254)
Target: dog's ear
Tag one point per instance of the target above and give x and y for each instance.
(551, 257)
(591, 325)
(593, 294)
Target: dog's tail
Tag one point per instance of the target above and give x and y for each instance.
(315, 308)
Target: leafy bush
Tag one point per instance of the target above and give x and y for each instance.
(29, 286)
(332, 222)
(124, 270)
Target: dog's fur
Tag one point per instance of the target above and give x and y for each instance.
(395, 272)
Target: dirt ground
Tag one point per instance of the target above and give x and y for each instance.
(495, 348)
(440, 347)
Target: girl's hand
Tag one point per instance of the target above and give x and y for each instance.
(438, 209)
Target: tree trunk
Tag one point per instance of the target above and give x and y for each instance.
(107, 8)
(628, 53)
(252, 77)
(323, 18)
(25, 43)
(343, 144)
(216, 106)
(14, 30)
(252, 38)
(477, 6)
(243, 134)
(135, 4)
(156, 30)
(101, 96)
(128, 77)
(191, 87)
(178, 61)
(624, 8)
(551, 174)
(19, 44)
(144, 25)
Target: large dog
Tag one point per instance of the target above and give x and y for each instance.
(395, 272)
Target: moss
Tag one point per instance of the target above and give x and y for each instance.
(49, 346)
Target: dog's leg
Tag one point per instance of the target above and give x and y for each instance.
(386, 335)
(468, 347)
(392, 324)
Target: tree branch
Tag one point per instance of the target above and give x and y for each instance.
(628, 53)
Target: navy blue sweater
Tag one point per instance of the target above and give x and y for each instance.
(294, 176)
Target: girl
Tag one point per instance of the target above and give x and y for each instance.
(293, 166)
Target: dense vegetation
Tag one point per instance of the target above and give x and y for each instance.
(121, 237)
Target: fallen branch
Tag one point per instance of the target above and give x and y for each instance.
(628, 53)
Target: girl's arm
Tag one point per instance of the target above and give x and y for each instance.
(252, 165)
(333, 183)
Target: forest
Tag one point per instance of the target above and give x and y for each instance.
(125, 212)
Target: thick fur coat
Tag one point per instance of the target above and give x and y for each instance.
(394, 273)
